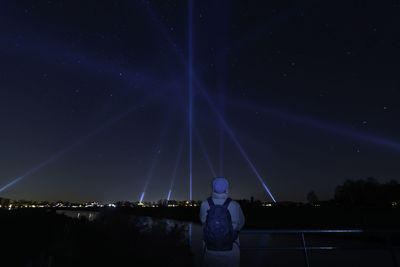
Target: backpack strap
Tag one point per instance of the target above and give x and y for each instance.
(210, 202)
(226, 203)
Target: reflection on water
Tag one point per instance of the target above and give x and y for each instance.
(90, 215)
(270, 258)
(193, 231)
(190, 234)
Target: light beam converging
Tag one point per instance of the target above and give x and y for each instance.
(80, 141)
(178, 159)
(190, 89)
(154, 162)
(234, 139)
(204, 150)
(192, 78)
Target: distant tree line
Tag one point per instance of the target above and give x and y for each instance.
(362, 192)
(367, 192)
(4, 202)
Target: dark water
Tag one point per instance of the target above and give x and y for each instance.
(342, 258)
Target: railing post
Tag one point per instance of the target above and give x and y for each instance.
(305, 249)
(391, 249)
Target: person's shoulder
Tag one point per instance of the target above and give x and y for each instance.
(204, 203)
(235, 204)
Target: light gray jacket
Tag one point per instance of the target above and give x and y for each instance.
(223, 258)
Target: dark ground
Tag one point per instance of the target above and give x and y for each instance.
(375, 220)
(40, 237)
(43, 238)
(305, 217)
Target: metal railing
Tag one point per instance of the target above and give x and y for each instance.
(388, 246)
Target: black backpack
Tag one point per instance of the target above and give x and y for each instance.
(218, 231)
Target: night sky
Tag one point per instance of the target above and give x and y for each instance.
(94, 97)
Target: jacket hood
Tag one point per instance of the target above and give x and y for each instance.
(220, 195)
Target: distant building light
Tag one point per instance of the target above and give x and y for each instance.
(394, 203)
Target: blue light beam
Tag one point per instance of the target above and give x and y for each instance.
(169, 194)
(205, 95)
(154, 162)
(178, 159)
(236, 142)
(75, 60)
(320, 125)
(141, 197)
(80, 141)
(190, 89)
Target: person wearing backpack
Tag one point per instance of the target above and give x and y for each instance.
(222, 219)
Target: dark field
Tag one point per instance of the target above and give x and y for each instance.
(44, 238)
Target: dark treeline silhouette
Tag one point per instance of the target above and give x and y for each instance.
(312, 198)
(4, 202)
(367, 192)
(40, 237)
